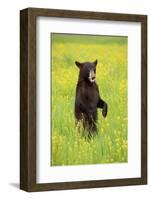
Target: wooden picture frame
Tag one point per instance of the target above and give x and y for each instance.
(28, 98)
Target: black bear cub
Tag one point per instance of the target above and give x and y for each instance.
(88, 98)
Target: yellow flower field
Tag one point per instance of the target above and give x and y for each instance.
(110, 145)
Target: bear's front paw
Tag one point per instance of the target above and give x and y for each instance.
(104, 111)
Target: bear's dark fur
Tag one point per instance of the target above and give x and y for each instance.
(88, 98)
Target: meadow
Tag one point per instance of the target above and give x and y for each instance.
(68, 146)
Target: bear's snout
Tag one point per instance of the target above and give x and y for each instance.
(91, 76)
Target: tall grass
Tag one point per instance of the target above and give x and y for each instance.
(68, 147)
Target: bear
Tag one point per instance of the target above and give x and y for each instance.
(87, 98)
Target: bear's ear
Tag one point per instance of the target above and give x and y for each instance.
(95, 62)
(78, 64)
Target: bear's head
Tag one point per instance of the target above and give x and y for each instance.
(87, 70)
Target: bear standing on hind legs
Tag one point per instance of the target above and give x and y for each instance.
(88, 98)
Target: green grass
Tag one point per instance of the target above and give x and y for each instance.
(110, 145)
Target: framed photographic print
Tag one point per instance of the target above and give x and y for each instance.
(83, 99)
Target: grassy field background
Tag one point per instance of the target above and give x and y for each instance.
(68, 147)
